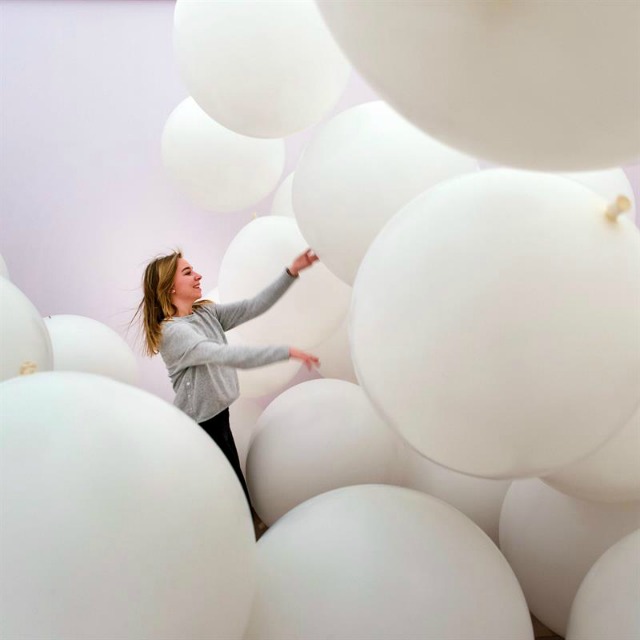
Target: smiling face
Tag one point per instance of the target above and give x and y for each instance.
(186, 285)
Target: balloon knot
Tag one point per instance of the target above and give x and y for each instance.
(28, 367)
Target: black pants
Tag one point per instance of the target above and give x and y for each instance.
(219, 430)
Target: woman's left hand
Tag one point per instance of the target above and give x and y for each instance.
(303, 261)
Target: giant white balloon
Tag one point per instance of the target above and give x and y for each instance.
(317, 436)
(610, 474)
(308, 312)
(478, 498)
(121, 518)
(25, 346)
(84, 344)
(357, 172)
(551, 540)
(218, 169)
(384, 563)
(518, 83)
(606, 605)
(264, 69)
(509, 320)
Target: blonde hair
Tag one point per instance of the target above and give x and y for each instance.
(156, 306)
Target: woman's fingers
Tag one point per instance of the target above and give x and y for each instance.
(306, 259)
(307, 358)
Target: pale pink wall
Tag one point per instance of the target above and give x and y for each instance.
(86, 87)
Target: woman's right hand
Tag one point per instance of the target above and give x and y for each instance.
(308, 359)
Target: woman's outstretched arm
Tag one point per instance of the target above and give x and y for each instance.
(183, 348)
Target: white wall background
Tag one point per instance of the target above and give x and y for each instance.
(86, 87)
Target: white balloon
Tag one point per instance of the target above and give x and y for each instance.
(262, 381)
(25, 346)
(335, 355)
(4, 270)
(244, 414)
(109, 494)
(606, 605)
(84, 344)
(218, 169)
(512, 82)
(382, 562)
(272, 378)
(264, 69)
(308, 312)
(317, 436)
(551, 540)
(609, 184)
(507, 320)
(610, 474)
(480, 499)
(350, 180)
(282, 204)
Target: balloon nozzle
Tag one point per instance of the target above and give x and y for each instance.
(622, 204)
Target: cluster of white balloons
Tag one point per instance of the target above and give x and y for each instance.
(256, 72)
(490, 352)
(489, 327)
(375, 561)
(475, 328)
(31, 344)
(357, 172)
(94, 476)
(481, 331)
(262, 69)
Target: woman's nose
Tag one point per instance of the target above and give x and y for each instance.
(198, 276)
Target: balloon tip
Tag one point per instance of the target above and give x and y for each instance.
(28, 367)
(621, 205)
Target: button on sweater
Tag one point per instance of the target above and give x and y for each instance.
(200, 362)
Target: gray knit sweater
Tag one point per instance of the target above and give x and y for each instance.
(202, 365)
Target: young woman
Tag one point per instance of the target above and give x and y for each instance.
(189, 335)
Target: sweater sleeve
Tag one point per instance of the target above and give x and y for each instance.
(234, 313)
(182, 347)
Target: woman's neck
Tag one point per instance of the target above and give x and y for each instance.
(183, 309)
